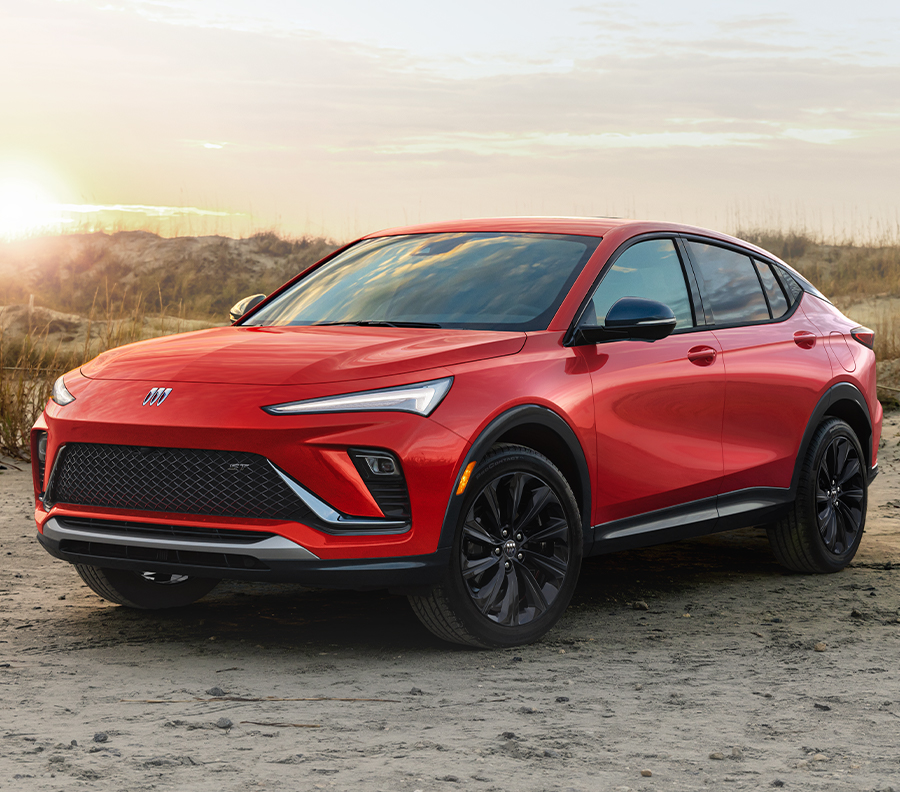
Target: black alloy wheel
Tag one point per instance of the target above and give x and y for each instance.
(822, 530)
(516, 554)
(840, 495)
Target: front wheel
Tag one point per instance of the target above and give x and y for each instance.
(145, 590)
(823, 529)
(516, 554)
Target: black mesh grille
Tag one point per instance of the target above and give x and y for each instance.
(177, 480)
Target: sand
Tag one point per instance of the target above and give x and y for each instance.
(696, 665)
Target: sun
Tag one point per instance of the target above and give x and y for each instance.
(25, 208)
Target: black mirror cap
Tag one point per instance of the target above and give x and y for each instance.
(242, 306)
(631, 317)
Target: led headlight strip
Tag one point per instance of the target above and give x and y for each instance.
(421, 398)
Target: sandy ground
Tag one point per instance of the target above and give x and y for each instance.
(718, 684)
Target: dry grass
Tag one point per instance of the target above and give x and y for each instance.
(30, 363)
(862, 279)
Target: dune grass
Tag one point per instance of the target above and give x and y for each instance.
(205, 288)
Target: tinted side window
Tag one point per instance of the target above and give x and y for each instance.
(651, 270)
(777, 300)
(730, 285)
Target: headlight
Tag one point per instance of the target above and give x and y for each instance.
(421, 398)
(60, 393)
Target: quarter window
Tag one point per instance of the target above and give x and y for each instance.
(730, 285)
(777, 300)
(651, 270)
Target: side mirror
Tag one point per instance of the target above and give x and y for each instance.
(630, 317)
(242, 306)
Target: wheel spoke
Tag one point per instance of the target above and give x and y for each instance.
(841, 451)
(557, 529)
(516, 490)
(489, 494)
(852, 516)
(854, 494)
(550, 564)
(829, 528)
(851, 469)
(533, 591)
(477, 533)
(487, 596)
(509, 607)
(474, 567)
(540, 497)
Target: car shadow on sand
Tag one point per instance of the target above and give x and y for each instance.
(283, 616)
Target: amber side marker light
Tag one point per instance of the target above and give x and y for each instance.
(865, 336)
(465, 478)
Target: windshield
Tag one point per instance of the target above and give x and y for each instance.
(479, 281)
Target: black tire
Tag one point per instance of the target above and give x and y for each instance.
(822, 531)
(508, 589)
(146, 591)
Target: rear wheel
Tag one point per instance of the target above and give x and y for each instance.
(516, 554)
(145, 590)
(822, 531)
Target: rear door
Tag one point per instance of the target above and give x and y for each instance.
(775, 366)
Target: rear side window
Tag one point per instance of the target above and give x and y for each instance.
(777, 300)
(730, 285)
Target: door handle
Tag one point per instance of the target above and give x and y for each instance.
(804, 339)
(702, 355)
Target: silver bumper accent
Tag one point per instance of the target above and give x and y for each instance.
(335, 519)
(275, 548)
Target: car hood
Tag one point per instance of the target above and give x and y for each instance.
(298, 355)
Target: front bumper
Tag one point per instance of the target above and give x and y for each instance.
(342, 521)
(271, 558)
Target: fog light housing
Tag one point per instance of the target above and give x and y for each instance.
(381, 473)
(380, 464)
(39, 458)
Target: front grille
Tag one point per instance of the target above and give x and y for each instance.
(185, 533)
(176, 480)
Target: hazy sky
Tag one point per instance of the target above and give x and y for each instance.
(344, 116)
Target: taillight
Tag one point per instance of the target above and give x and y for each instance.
(865, 336)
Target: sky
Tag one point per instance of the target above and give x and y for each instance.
(339, 118)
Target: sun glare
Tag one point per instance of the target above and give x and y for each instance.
(25, 209)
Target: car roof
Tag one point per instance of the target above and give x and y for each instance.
(582, 226)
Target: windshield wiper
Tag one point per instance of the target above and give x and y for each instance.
(374, 323)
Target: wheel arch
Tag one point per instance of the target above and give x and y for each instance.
(547, 433)
(844, 401)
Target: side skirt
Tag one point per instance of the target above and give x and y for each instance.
(727, 512)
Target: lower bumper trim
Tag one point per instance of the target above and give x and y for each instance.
(405, 572)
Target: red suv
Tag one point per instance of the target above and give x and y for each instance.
(462, 412)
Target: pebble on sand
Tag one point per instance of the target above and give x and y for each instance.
(101, 737)
(821, 646)
(216, 692)
(717, 755)
(647, 773)
(640, 605)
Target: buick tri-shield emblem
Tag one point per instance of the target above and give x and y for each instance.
(156, 397)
